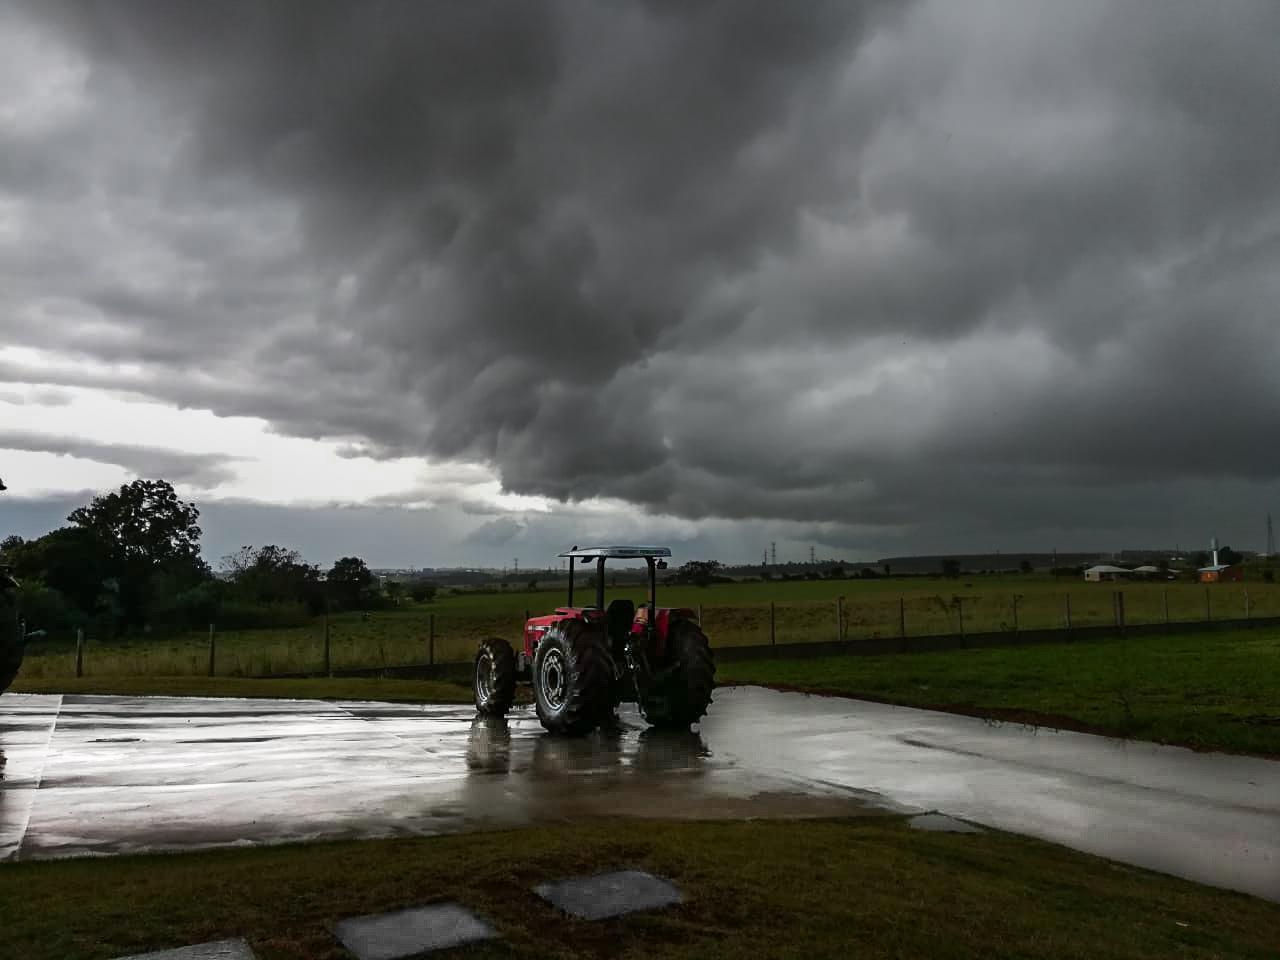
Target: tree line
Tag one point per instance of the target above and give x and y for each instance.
(129, 561)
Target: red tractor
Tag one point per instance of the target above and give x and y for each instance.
(584, 661)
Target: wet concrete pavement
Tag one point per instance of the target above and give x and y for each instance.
(104, 775)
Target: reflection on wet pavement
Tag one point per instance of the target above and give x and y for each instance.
(86, 774)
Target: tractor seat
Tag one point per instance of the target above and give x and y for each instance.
(619, 616)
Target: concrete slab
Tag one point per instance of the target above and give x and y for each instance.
(413, 932)
(609, 894)
(939, 823)
(216, 950)
(105, 775)
(26, 724)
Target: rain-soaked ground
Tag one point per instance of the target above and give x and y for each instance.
(105, 775)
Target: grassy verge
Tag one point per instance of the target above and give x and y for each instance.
(336, 688)
(868, 888)
(1206, 691)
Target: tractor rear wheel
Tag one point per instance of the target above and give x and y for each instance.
(681, 698)
(10, 633)
(572, 674)
(494, 681)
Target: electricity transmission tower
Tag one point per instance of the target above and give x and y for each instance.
(773, 551)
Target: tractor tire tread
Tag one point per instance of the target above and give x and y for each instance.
(11, 647)
(591, 676)
(684, 697)
(503, 694)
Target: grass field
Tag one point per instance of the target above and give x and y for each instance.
(733, 614)
(869, 888)
(1208, 691)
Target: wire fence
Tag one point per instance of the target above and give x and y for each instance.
(398, 637)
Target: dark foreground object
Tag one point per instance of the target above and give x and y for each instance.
(11, 630)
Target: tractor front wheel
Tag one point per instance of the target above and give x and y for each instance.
(682, 696)
(494, 681)
(572, 673)
(10, 632)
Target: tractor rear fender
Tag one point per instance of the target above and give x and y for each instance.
(663, 619)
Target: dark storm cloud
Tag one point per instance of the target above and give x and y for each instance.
(889, 266)
(204, 470)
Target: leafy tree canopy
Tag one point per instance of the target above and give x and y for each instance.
(143, 521)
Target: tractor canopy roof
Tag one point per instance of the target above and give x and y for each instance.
(618, 552)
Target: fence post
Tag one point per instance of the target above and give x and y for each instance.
(79, 651)
(431, 636)
(699, 614)
(902, 618)
(328, 661)
(212, 643)
(1208, 605)
(1120, 610)
(1068, 611)
(1015, 614)
(1166, 607)
(839, 619)
(773, 625)
(960, 618)
(1246, 604)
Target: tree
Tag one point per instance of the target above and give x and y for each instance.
(951, 567)
(143, 521)
(422, 591)
(70, 560)
(395, 589)
(350, 583)
(8, 545)
(272, 574)
(701, 573)
(1227, 555)
(144, 529)
(1024, 566)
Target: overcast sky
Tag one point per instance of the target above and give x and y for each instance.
(459, 282)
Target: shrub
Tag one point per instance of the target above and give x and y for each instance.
(43, 608)
(237, 615)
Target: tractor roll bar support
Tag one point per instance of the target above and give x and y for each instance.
(600, 584)
(572, 561)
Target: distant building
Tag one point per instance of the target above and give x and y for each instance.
(1221, 573)
(1104, 571)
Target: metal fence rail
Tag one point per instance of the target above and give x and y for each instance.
(415, 637)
